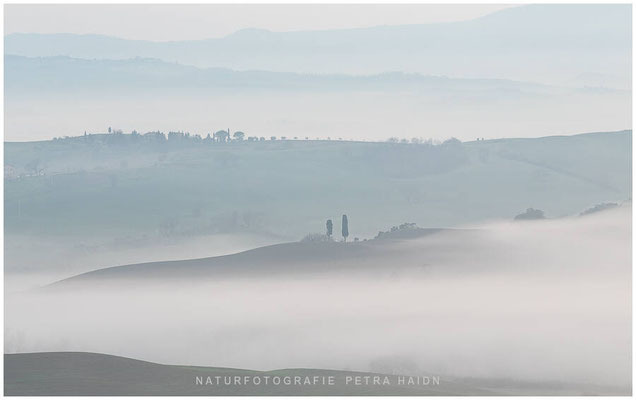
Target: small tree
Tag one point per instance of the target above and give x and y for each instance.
(345, 227)
(222, 136)
(329, 228)
(238, 135)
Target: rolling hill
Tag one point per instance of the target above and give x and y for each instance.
(108, 200)
(285, 260)
(401, 252)
(42, 75)
(100, 182)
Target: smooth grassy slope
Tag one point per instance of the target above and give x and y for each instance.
(298, 259)
(90, 374)
(291, 187)
(414, 252)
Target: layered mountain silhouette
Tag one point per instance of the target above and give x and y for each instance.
(564, 44)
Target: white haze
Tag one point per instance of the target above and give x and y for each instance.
(202, 21)
(542, 301)
(38, 260)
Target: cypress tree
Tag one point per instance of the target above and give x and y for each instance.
(345, 227)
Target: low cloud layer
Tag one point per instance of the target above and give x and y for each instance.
(540, 301)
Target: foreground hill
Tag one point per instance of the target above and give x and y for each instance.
(300, 259)
(406, 253)
(90, 374)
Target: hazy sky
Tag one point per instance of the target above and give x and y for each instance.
(199, 21)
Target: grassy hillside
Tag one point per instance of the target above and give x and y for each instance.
(93, 186)
(79, 204)
(410, 251)
(290, 259)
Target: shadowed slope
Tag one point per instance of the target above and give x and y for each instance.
(75, 373)
(90, 374)
(284, 258)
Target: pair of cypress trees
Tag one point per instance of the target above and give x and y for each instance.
(345, 227)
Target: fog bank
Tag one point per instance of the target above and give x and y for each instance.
(546, 301)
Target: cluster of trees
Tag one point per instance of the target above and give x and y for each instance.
(534, 214)
(224, 136)
(403, 227)
(221, 136)
(530, 214)
(599, 207)
(321, 237)
(394, 139)
(419, 140)
(345, 227)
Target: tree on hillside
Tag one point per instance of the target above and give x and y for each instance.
(176, 136)
(599, 207)
(221, 136)
(530, 214)
(345, 227)
(452, 142)
(329, 228)
(238, 135)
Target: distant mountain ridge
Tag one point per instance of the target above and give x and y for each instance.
(573, 40)
(62, 72)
